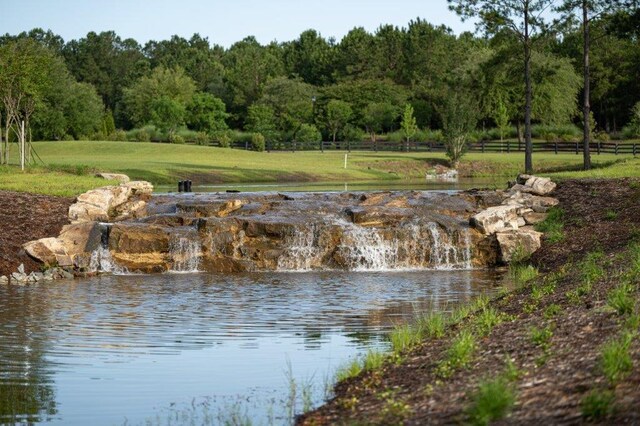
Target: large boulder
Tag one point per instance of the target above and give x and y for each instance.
(496, 218)
(112, 203)
(534, 185)
(73, 247)
(140, 247)
(518, 243)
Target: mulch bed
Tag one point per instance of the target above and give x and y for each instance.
(25, 217)
(599, 215)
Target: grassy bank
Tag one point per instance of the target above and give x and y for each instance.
(69, 165)
(563, 347)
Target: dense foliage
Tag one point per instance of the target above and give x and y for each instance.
(393, 80)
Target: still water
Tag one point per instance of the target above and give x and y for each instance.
(391, 185)
(200, 348)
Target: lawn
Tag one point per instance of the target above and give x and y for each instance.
(70, 164)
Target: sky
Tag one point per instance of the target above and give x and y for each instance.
(222, 22)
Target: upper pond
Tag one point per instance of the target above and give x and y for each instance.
(201, 348)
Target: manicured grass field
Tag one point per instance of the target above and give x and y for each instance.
(69, 164)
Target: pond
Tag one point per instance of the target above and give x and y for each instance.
(391, 185)
(201, 348)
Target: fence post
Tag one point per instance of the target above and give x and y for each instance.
(634, 150)
(598, 147)
(482, 145)
(576, 148)
(321, 146)
(616, 149)
(508, 147)
(349, 146)
(555, 147)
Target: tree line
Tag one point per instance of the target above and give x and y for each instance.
(581, 68)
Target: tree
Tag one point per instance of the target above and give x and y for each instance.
(522, 18)
(167, 114)
(377, 117)
(261, 119)
(27, 70)
(408, 125)
(206, 113)
(172, 84)
(291, 102)
(459, 118)
(309, 57)
(338, 114)
(83, 110)
(587, 11)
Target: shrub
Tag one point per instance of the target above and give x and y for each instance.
(201, 138)
(118, 136)
(352, 134)
(98, 136)
(308, 135)
(143, 136)
(257, 142)
(175, 138)
(188, 135)
(68, 137)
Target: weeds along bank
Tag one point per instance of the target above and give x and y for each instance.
(563, 347)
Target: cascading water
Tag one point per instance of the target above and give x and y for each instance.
(185, 252)
(416, 245)
(101, 260)
(302, 250)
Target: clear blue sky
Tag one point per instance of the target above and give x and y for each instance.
(223, 22)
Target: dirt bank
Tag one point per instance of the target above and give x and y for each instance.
(553, 331)
(25, 217)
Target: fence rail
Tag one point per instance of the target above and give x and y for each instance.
(612, 147)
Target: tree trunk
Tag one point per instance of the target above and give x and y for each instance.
(528, 146)
(586, 109)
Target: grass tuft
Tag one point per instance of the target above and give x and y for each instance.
(349, 370)
(553, 225)
(521, 274)
(487, 319)
(621, 300)
(597, 404)
(615, 358)
(404, 337)
(458, 355)
(491, 401)
(432, 325)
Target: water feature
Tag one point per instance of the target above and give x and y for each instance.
(185, 348)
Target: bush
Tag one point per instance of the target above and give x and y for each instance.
(352, 134)
(257, 142)
(308, 135)
(142, 136)
(68, 137)
(118, 135)
(175, 138)
(223, 139)
(98, 136)
(202, 138)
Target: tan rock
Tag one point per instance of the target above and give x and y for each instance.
(495, 218)
(45, 250)
(521, 242)
(532, 217)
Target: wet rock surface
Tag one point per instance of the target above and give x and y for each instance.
(230, 232)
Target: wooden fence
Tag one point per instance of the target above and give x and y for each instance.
(612, 147)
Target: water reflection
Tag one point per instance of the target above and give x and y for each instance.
(116, 348)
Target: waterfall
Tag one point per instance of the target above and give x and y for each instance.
(185, 252)
(101, 261)
(416, 245)
(302, 250)
(445, 253)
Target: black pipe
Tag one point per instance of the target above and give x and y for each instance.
(188, 185)
(181, 186)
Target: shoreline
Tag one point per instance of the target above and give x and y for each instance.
(541, 350)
